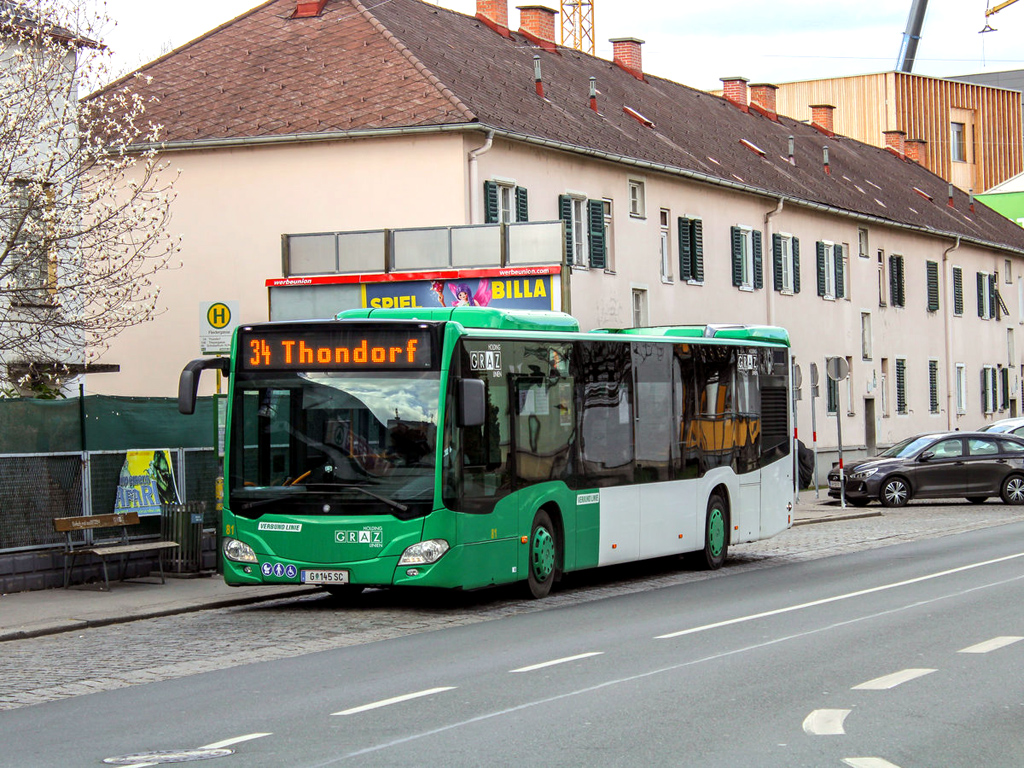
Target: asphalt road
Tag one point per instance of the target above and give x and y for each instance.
(908, 655)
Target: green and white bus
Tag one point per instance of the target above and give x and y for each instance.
(467, 447)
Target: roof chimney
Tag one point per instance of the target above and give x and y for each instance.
(762, 96)
(735, 90)
(894, 142)
(626, 53)
(305, 9)
(823, 118)
(537, 22)
(494, 13)
(915, 149)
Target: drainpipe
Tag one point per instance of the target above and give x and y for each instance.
(947, 291)
(769, 261)
(475, 199)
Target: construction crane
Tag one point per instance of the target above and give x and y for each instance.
(908, 49)
(996, 9)
(578, 25)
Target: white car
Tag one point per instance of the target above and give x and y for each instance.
(1006, 426)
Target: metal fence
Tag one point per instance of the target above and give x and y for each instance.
(37, 487)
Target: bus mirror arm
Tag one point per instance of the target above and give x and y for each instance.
(471, 405)
(188, 382)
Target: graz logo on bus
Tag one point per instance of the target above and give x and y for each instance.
(746, 362)
(489, 360)
(372, 536)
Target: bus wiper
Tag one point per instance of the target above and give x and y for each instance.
(390, 502)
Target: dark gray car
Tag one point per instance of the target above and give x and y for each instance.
(940, 465)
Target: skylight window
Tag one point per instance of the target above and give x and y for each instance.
(637, 116)
(753, 147)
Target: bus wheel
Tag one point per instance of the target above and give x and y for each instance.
(716, 535)
(543, 555)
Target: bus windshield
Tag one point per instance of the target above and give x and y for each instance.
(330, 442)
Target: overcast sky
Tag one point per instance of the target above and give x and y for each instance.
(695, 43)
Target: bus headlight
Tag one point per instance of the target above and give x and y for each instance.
(239, 551)
(424, 553)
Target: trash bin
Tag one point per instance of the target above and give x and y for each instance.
(183, 523)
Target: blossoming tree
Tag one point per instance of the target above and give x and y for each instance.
(84, 197)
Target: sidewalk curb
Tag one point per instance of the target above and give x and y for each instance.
(831, 518)
(73, 625)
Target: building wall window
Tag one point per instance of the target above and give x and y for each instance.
(958, 142)
(32, 260)
(958, 291)
(747, 267)
(584, 231)
(933, 386)
(609, 239)
(897, 295)
(637, 201)
(863, 250)
(865, 335)
(831, 267)
(932, 285)
(786, 263)
(504, 202)
(831, 395)
(901, 386)
(665, 251)
(988, 389)
(883, 280)
(986, 295)
(639, 307)
(884, 384)
(961, 388)
(691, 249)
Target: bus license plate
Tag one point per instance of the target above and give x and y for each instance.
(325, 577)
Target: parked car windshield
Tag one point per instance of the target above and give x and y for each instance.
(908, 447)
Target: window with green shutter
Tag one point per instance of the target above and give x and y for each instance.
(958, 291)
(786, 263)
(837, 255)
(598, 246)
(565, 214)
(691, 249)
(933, 386)
(747, 259)
(901, 385)
(1004, 388)
(758, 259)
(986, 295)
(897, 295)
(932, 273)
(491, 210)
(522, 205)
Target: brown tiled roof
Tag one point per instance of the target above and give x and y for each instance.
(403, 63)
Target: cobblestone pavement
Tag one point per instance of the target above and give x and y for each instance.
(36, 670)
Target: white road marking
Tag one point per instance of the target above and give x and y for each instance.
(394, 700)
(543, 664)
(236, 740)
(886, 682)
(654, 672)
(992, 645)
(837, 598)
(868, 762)
(826, 722)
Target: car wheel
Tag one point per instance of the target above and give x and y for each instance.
(895, 492)
(543, 565)
(977, 499)
(1013, 490)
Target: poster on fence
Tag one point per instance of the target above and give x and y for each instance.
(146, 482)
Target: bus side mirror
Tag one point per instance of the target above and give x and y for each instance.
(471, 403)
(188, 382)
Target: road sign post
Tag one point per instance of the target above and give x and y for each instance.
(838, 369)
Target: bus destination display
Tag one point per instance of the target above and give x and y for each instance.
(335, 349)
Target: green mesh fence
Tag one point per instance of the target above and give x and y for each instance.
(107, 423)
(41, 464)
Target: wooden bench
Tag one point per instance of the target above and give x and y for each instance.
(122, 548)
